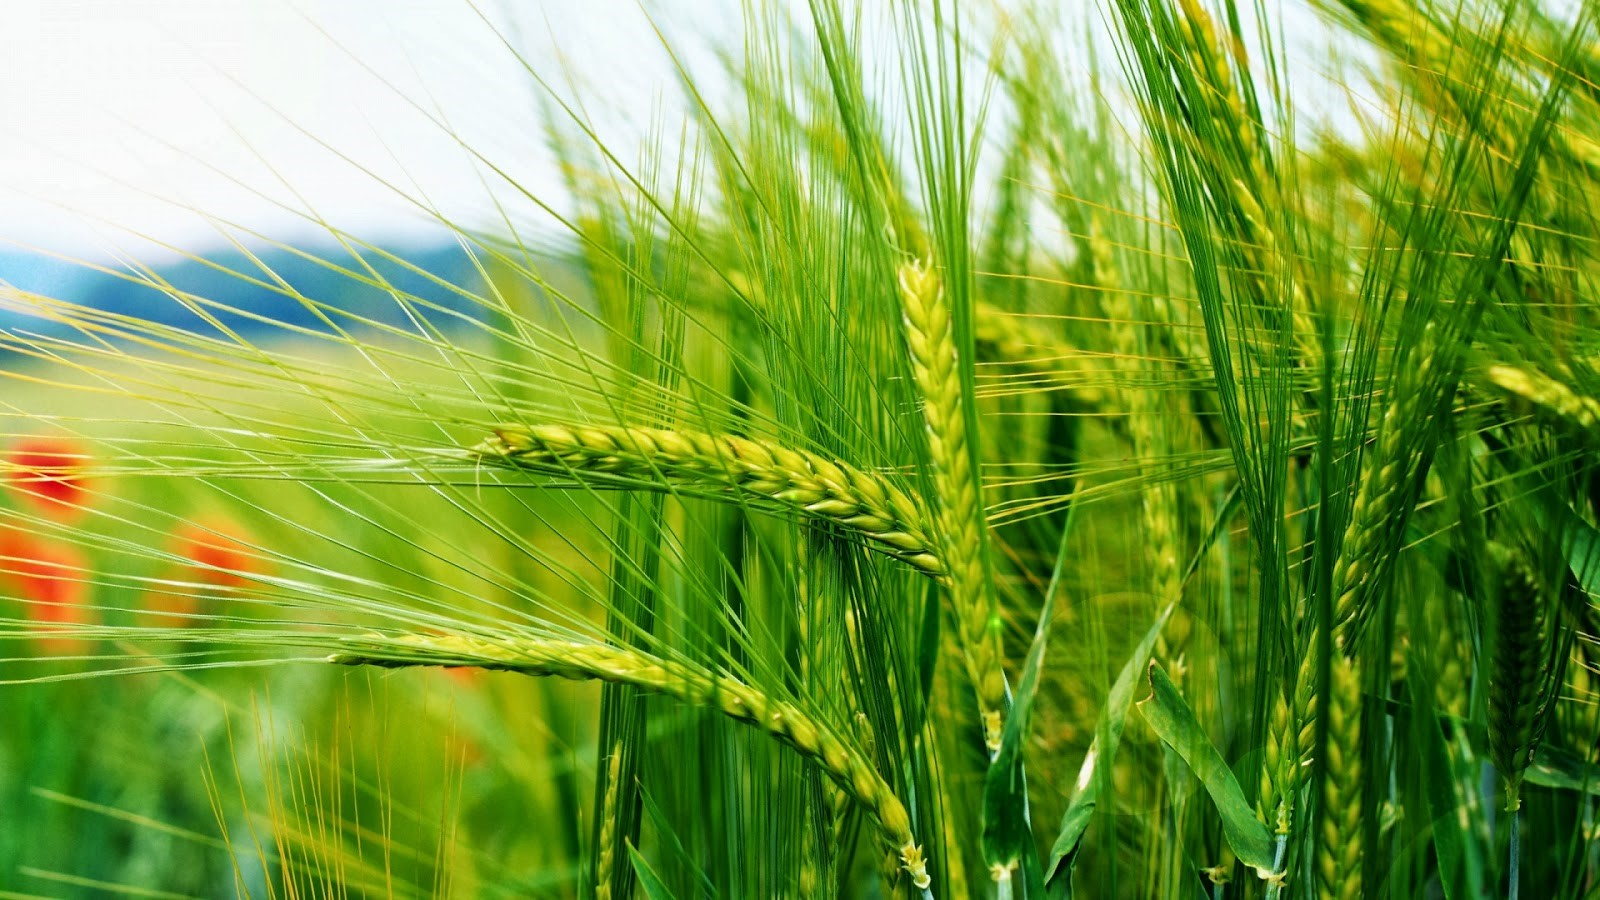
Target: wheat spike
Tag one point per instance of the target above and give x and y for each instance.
(585, 660)
(605, 858)
(932, 348)
(1389, 467)
(1338, 854)
(762, 473)
(1514, 680)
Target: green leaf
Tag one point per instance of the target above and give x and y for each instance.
(1553, 767)
(1176, 725)
(1108, 734)
(1007, 833)
(654, 887)
(1443, 805)
(1581, 545)
(1108, 728)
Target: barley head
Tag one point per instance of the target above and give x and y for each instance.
(931, 344)
(586, 660)
(1338, 853)
(759, 472)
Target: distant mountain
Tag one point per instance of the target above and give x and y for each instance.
(275, 293)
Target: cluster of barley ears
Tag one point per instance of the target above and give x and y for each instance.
(991, 453)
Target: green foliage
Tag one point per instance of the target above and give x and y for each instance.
(851, 460)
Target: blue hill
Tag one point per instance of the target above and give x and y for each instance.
(259, 295)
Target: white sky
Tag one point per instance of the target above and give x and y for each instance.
(128, 115)
(128, 111)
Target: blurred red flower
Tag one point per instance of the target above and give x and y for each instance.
(220, 552)
(219, 555)
(169, 607)
(51, 581)
(48, 473)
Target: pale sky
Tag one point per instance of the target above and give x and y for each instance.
(128, 111)
(127, 115)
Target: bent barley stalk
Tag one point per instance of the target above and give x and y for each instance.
(763, 473)
(930, 341)
(584, 660)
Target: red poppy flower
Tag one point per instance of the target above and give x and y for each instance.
(48, 472)
(169, 607)
(219, 556)
(50, 579)
(219, 551)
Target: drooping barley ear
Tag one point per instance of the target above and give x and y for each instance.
(758, 472)
(1516, 674)
(605, 856)
(1338, 852)
(1552, 401)
(587, 660)
(931, 345)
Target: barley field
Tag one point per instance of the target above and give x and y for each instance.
(978, 451)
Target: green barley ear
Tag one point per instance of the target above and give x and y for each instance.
(1290, 741)
(1339, 849)
(1550, 400)
(1389, 475)
(752, 471)
(605, 853)
(931, 345)
(1517, 673)
(590, 661)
